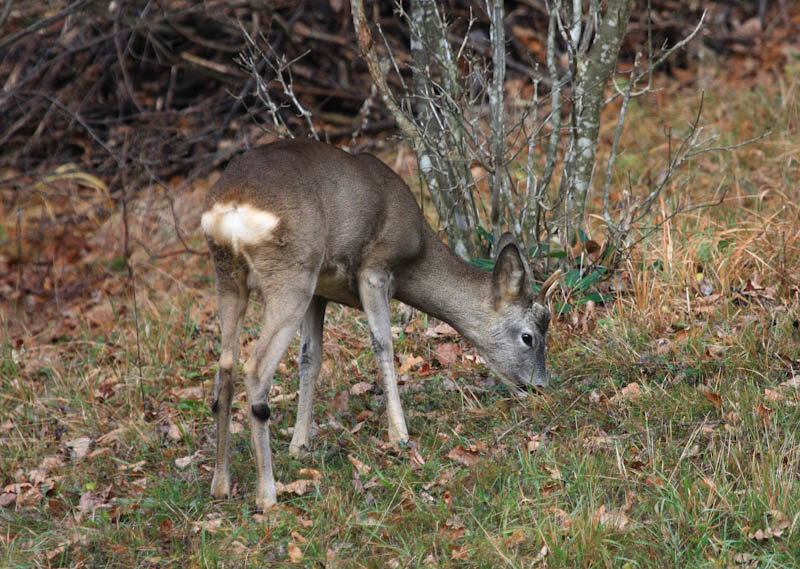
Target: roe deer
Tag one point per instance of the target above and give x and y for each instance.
(306, 223)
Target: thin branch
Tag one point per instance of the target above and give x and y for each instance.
(612, 157)
(36, 26)
(730, 146)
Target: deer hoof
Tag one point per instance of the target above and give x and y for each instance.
(297, 450)
(221, 486)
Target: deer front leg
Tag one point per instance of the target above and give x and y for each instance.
(374, 292)
(310, 362)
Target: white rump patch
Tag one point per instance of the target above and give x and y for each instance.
(237, 225)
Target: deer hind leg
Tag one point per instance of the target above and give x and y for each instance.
(374, 292)
(310, 362)
(232, 299)
(284, 310)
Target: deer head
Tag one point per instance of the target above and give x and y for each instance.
(512, 335)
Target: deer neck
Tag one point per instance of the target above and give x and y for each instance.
(441, 284)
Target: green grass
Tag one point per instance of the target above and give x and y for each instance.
(662, 480)
(684, 474)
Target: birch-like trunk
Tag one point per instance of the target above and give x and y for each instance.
(441, 149)
(589, 95)
(502, 205)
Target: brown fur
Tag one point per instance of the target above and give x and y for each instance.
(349, 231)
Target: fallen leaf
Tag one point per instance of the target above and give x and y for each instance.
(597, 398)
(714, 398)
(465, 457)
(295, 553)
(442, 329)
(553, 471)
(452, 533)
(534, 442)
(594, 250)
(459, 553)
(561, 517)
(299, 487)
(360, 467)
(765, 413)
(311, 473)
(111, 437)
(7, 498)
(663, 346)
(629, 392)
(514, 540)
(447, 497)
(363, 416)
(100, 314)
(137, 466)
(778, 524)
(732, 418)
(90, 502)
(454, 523)
(238, 548)
(341, 402)
(195, 393)
(283, 397)
(447, 354)
(715, 351)
(184, 461)
(79, 446)
(299, 537)
(173, 432)
(772, 396)
(51, 462)
(416, 459)
(210, 526)
(361, 387)
(409, 362)
(614, 518)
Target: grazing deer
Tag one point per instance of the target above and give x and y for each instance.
(305, 223)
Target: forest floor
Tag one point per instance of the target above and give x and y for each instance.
(669, 437)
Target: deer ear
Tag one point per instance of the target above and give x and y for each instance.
(505, 239)
(510, 281)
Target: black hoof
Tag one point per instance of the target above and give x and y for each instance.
(261, 411)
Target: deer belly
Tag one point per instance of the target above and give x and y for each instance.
(338, 286)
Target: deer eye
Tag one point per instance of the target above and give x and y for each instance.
(527, 339)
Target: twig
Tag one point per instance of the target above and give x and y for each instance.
(612, 157)
(131, 276)
(730, 146)
(549, 425)
(6, 11)
(74, 7)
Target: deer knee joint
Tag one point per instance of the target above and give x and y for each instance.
(226, 360)
(260, 411)
(249, 368)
